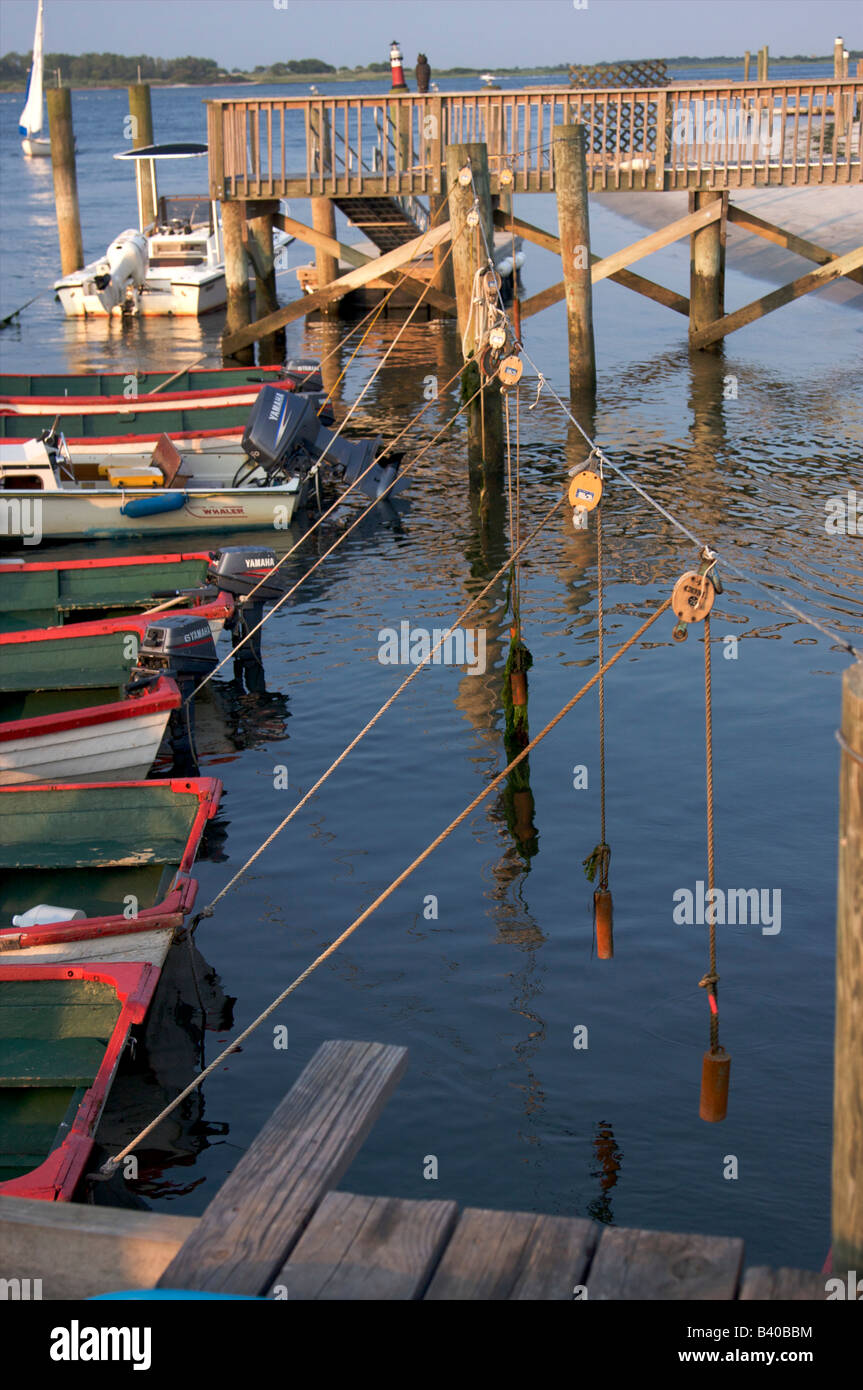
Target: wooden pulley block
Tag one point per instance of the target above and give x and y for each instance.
(488, 360)
(497, 339)
(472, 218)
(585, 490)
(510, 370)
(464, 175)
(692, 598)
(505, 177)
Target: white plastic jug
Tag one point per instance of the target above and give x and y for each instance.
(43, 914)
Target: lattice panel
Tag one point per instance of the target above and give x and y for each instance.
(629, 127)
(652, 72)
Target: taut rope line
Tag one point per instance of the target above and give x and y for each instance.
(113, 1163)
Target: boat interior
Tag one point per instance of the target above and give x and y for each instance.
(70, 847)
(55, 597)
(53, 1037)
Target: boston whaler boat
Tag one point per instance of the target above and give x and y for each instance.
(285, 447)
(174, 265)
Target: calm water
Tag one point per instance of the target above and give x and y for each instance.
(486, 996)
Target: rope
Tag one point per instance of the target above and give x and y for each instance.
(265, 579)
(207, 911)
(113, 1163)
(710, 981)
(376, 313)
(344, 535)
(673, 520)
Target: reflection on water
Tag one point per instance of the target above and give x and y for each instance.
(746, 446)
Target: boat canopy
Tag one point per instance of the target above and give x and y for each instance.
(180, 150)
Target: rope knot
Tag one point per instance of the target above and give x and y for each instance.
(709, 981)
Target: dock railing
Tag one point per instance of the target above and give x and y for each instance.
(683, 136)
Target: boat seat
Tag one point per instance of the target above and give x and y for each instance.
(131, 475)
(168, 459)
(53, 1062)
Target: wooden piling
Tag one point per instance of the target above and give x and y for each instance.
(848, 1056)
(59, 101)
(141, 119)
(485, 416)
(747, 59)
(707, 266)
(324, 220)
(838, 58)
(571, 186)
(260, 250)
(236, 273)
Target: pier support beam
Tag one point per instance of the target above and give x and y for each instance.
(236, 274)
(571, 186)
(442, 279)
(141, 121)
(260, 249)
(707, 266)
(59, 100)
(848, 1056)
(485, 415)
(324, 220)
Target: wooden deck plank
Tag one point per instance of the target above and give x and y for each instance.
(484, 1256)
(663, 1265)
(556, 1258)
(362, 1248)
(78, 1250)
(496, 1255)
(760, 1283)
(262, 1208)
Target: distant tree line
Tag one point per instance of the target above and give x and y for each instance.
(113, 67)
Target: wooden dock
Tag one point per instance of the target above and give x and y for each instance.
(279, 1228)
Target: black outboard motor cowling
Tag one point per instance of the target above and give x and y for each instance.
(238, 569)
(178, 646)
(306, 376)
(283, 429)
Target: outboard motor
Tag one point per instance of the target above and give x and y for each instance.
(249, 573)
(283, 430)
(306, 376)
(182, 647)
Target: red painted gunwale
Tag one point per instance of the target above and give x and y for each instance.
(218, 608)
(164, 695)
(56, 1178)
(82, 405)
(107, 562)
(170, 912)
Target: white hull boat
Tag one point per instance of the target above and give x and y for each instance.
(120, 739)
(41, 499)
(171, 266)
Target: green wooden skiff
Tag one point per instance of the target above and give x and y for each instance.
(49, 595)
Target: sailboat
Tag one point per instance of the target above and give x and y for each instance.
(32, 117)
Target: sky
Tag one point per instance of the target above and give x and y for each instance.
(470, 33)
